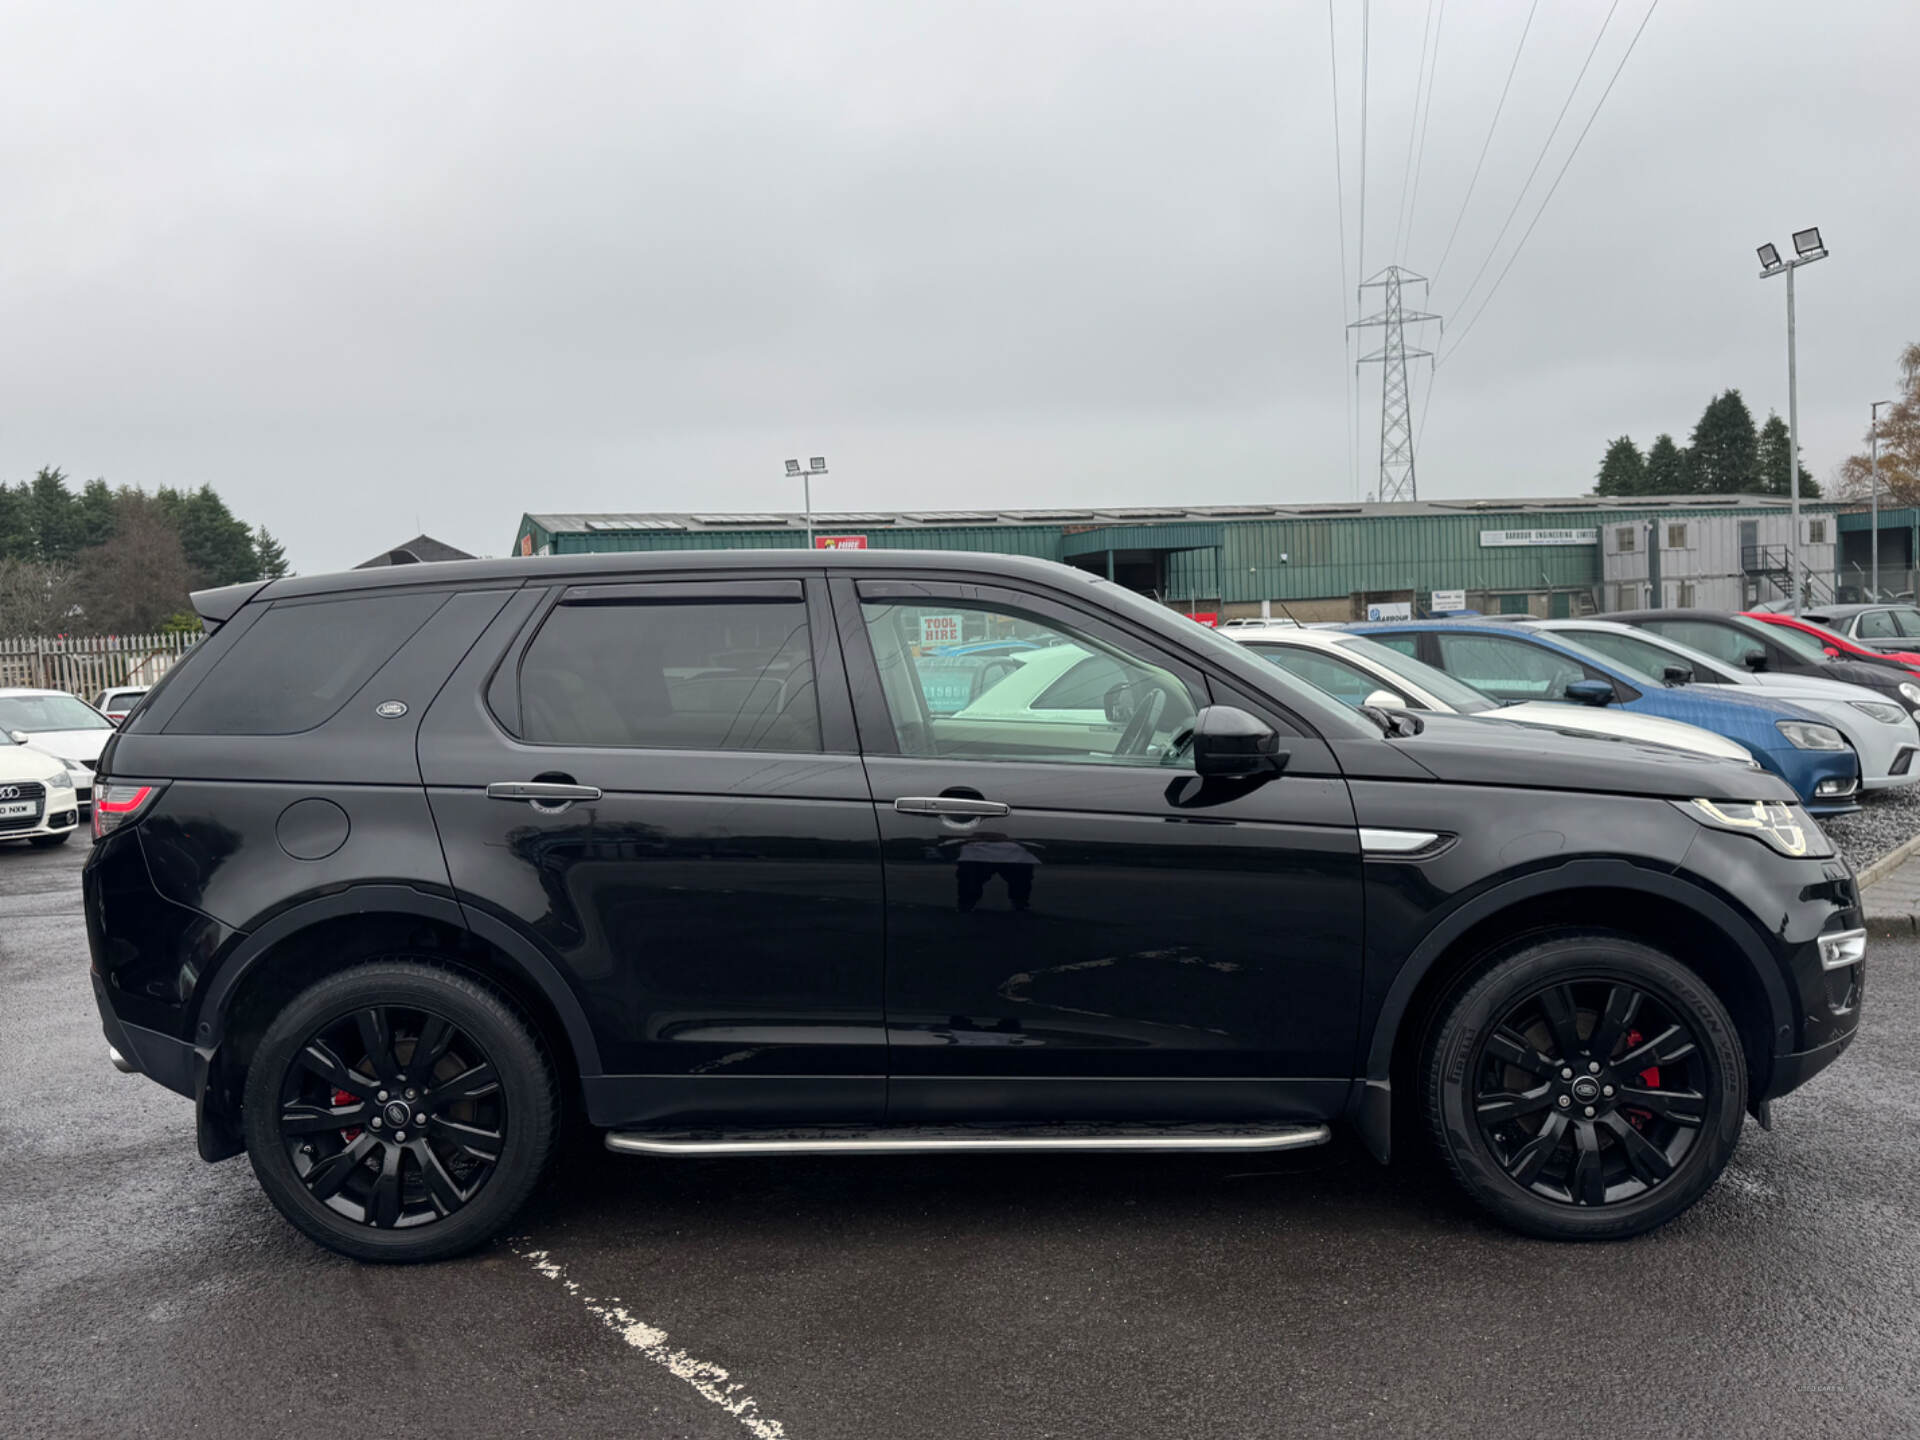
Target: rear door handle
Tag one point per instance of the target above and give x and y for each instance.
(948, 805)
(541, 792)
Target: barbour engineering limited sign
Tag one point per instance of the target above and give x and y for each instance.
(1492, 538)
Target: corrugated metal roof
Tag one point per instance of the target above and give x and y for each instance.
(576, 523)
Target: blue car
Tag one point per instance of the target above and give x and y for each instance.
(1510, 663)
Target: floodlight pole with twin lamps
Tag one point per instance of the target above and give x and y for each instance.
(816, 465)
(1873, 463)
(1807, 249)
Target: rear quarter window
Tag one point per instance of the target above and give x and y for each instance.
(300, 663)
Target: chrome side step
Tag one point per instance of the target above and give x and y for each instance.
(965, 1139)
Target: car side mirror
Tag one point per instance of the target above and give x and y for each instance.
(1228, 742)
(1590, 692)
(1385, 700)
(1757, 659)
(1677, 674)
(1119, 703)
(18, 737)
(1833, 652)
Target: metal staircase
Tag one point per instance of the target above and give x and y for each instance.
(1773, 564)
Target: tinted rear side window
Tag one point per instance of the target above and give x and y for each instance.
(672, 675)
(299, 663)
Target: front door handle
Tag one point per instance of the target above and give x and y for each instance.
(541, 792)
(948, 805)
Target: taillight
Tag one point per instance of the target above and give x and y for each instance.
(117, 805)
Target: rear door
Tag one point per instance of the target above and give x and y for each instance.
(1077, 924)
(657, 784)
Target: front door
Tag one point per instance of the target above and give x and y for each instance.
(1076, 924)
(657, 785)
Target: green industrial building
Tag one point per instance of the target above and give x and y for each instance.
(1313, 562)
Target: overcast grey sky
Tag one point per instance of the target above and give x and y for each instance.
(373, 268)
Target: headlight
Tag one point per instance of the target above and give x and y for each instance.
(1804, 736)
(60, 780)
(1885, 714)
(1788, 829)
(1910, 692)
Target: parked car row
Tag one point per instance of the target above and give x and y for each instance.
(1767, 688)
(714, 849)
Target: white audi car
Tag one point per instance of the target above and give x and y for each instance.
(60, 725)
(1360, 671)
(37, 800)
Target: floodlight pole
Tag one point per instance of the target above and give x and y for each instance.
(1773, 265)
(806, 491)
(1873, 462)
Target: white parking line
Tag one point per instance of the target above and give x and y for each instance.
(708, 1380)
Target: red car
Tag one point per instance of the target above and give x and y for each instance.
(1835, 642)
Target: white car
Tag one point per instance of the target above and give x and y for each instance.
(116, 704)
(61, 725)
(1360, 671)
(1882, 734)
(37, 801)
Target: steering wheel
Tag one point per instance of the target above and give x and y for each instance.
(1138, 735)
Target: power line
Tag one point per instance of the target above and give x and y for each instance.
(1413, 129)
(1340, 193)
(1366, 19)
(1481, 309)
(1546, 145)
(1488, 142)
(1420, 156)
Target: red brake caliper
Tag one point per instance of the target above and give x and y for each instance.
(343, 1097)
(1649, 1079)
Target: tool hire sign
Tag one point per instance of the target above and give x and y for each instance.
(839, 542)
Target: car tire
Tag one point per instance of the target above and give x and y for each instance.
(1558, 1140)
(47, 842)
(382, 1165)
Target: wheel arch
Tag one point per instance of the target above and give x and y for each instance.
(1698, 929)
(334, 932)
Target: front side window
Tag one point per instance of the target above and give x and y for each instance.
(1723, 642)
(1072, 698)
(1645, 655)
(1876, 625)
(672, 675)
(1908, 620)
(1508, 669)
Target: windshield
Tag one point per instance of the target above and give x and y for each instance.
(1807, 647)
(1455, 694)
(33, 713)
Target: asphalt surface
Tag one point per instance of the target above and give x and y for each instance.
(145, 1293)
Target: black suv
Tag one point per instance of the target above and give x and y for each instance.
(397, 869)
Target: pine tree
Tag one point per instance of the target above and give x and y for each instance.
(1772, 461)
(1667, 468)
(270, 556)
(1623, 471)
(56, 527)
(1725, 450)
(16, 523)
(219, 548)
(94, 515)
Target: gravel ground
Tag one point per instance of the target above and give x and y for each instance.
(1885, 819)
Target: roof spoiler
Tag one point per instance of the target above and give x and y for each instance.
(216, 607)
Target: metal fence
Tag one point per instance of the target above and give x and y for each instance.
(88, 664)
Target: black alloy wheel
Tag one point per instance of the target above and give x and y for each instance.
(1585, 1086)
(399, 1111)
(1589, 1092)
(406, 1131)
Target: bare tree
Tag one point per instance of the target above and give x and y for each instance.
(140, 577)
(37, 597)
